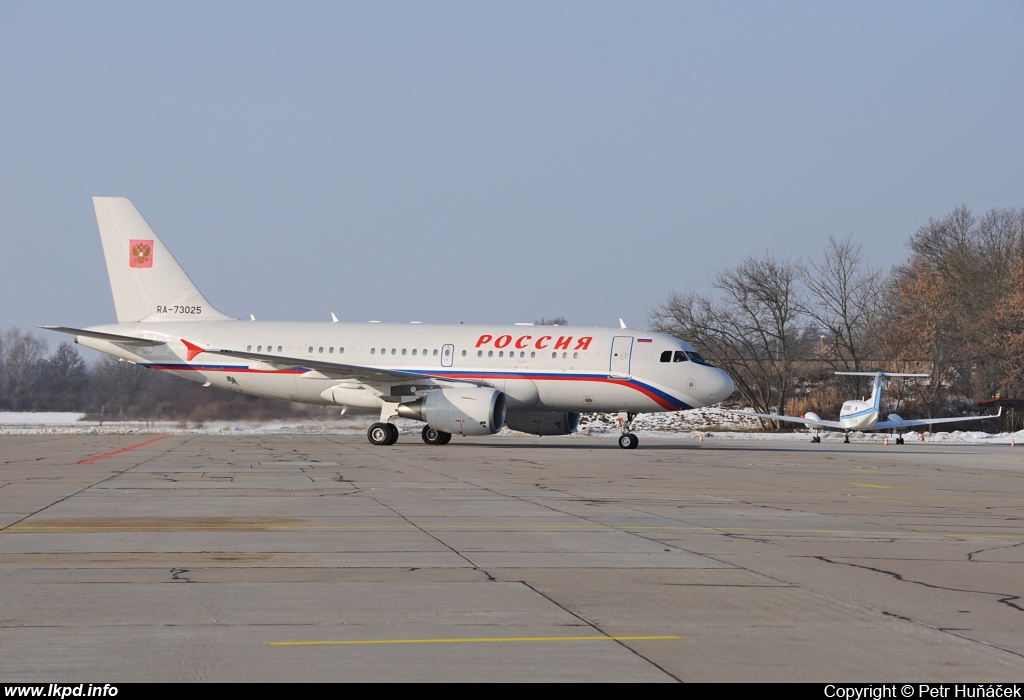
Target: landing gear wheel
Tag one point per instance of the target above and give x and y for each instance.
(899, 440)
(847, 439)
(432, 436)
(382, 434)
(816, 439)
(628, 441)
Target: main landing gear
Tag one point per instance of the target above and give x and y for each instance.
(627, 441)
(432, 436)
(382, 434)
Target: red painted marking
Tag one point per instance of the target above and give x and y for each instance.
(193, 349)
(123, 449)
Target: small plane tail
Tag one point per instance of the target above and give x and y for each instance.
(147, 282)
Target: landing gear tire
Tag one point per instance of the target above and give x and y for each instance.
(816, 439)
(899, 440)
(382, 434)
(628, 441)
(432, 436)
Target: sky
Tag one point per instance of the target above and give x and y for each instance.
(489, 162)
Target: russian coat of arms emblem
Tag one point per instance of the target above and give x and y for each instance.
(140, 253)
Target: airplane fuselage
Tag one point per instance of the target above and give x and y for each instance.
(557, 368)
(858, 415)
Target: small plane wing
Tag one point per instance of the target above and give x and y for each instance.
(112, 337)
(881, 425)
(819, 423)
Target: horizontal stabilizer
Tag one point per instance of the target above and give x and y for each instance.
(112, 337)
(884, 374)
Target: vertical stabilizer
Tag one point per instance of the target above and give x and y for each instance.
(147, 282)
(876, 391)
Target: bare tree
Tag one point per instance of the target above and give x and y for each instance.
(555, 321)
(20, 354)
(62, 379)
(118, 384)
(752, 331)
(975, 258)
(844, 300)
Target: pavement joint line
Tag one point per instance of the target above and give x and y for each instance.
(475, 640)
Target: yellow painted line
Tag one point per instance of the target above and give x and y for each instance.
(870, 486)
(517, 528)
(472, 640)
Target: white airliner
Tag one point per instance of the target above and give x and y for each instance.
(863, 415)
(458, 379)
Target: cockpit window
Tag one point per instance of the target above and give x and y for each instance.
(666, 356)
(680, 356)
(695, 356)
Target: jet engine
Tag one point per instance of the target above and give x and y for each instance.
(543, 422)
(893, 418)
(811, 415)
(471, 411)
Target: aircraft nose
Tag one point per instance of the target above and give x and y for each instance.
(720, 386)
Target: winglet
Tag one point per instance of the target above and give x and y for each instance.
(193, 349)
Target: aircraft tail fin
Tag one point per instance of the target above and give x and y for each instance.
(147, 282)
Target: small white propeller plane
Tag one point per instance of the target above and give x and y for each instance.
(863, 415)
(457, 379)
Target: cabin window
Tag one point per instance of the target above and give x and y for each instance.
(310, 349)
(490, 353)
(575, 355)
(424, 352)
(522, 354)
(533, 355)
(463, 353)
(680, 356)
(248, 348)
(435, 353)
(479, 353)
(394, 351)
(373, 351)
(554, 355)
(403, 351)
(279, 348)
(565, 355)
(321, 350)
(259, 348)
(414, 352)
(340, 350)
(501, 353)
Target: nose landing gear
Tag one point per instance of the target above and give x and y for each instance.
(627, 441)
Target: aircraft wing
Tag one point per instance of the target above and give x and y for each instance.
(819, 423)
(335, 370)
(112, 337)
(930, 421)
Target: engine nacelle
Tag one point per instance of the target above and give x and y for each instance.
(811, 415)
(543, 422)
(893, 418)
(472, 411)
